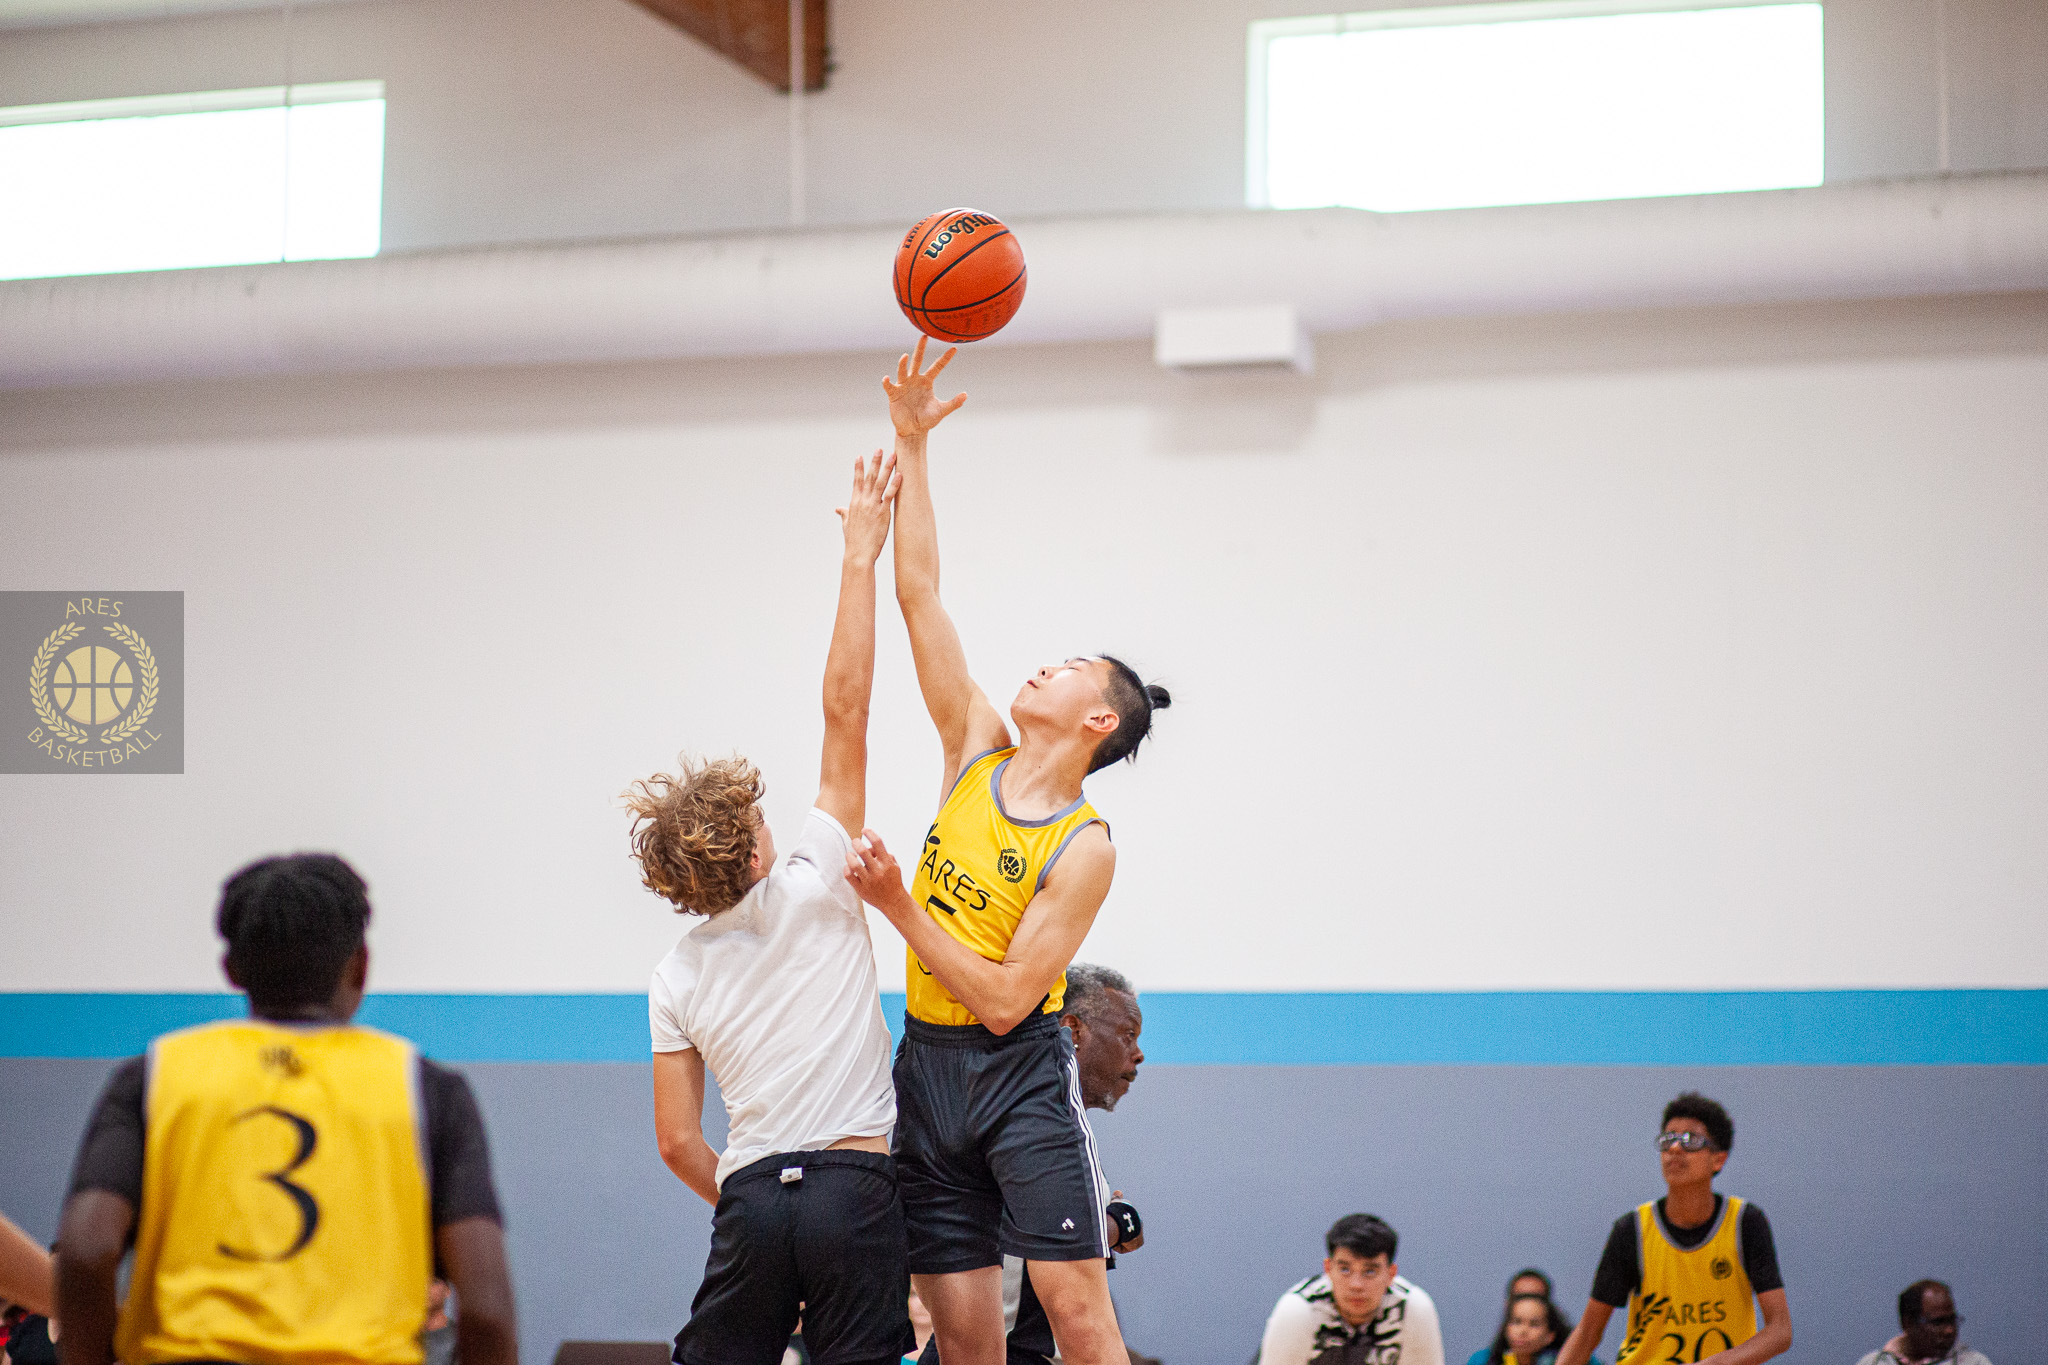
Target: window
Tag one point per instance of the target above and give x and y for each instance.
(225, 177)
(1533, 103)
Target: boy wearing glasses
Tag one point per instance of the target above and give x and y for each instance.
(1694, 1268)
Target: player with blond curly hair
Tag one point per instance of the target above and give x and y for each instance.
(776, 992)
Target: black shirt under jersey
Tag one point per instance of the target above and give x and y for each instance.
(1621, 1264)
(458, 1155)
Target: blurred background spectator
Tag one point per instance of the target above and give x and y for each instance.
(1932, 1330)
(1530, 1331)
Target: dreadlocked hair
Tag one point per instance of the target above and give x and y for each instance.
(694, 833)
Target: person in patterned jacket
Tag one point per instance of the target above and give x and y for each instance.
(1359, 1311)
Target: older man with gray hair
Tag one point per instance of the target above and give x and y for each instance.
(1102, 1015)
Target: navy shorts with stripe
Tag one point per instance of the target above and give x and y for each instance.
(993, 1152)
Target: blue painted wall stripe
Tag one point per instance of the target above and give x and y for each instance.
(1537, 1028)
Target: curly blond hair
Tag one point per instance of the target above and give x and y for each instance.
(695, 833)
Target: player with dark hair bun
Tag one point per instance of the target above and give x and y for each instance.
(1133, 700)
(991, 1145)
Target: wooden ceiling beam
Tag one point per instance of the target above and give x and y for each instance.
(754, 33)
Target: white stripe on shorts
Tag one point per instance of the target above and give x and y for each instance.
(1088, 1146)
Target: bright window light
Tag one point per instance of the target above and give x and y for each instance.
(1533, 103)
(225, 177)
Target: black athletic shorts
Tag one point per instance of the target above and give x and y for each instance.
(992, 1148)
(830, 1239)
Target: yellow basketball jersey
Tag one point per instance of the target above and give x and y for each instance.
(285, 1216)
(1690, 1303)
(979, 869)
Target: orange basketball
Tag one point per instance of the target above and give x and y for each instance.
(959, 275)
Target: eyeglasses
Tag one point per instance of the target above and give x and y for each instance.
(1950, 1320)
(1684, 1142)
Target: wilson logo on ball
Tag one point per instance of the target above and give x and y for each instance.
(959, 275)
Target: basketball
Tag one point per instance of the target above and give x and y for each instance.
(959, 275)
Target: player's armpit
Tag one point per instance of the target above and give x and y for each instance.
(472, 1253)
(679, 1121)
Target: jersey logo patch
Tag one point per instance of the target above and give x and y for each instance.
(283, 1060)
(1721, 1269)
(1011, 864)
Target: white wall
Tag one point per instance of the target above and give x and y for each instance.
(518, 120)
(1678, 650)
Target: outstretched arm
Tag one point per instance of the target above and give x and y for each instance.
(850, 665)
(966, 722)
(1001, 994)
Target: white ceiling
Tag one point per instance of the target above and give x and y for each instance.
(49, 13)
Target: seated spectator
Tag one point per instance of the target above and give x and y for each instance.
(1927, 1312)
(1530, 1333)
(1358, 1309)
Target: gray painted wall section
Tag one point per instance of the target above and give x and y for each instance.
(1873, 1176)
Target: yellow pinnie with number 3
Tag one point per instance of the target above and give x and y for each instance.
(278, 1162)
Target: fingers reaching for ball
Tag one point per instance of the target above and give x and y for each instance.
(914, 407)
(865, 518)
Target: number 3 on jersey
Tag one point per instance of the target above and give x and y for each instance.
(308, 1207)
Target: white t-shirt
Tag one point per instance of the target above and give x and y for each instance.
(779, 994)
(1306, 1328)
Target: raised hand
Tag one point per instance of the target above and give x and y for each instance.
(913, 405)
(865, 518)
(872, 871)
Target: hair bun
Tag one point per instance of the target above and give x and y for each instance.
(1158, 696)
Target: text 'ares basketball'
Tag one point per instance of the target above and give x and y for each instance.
(959, 275)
